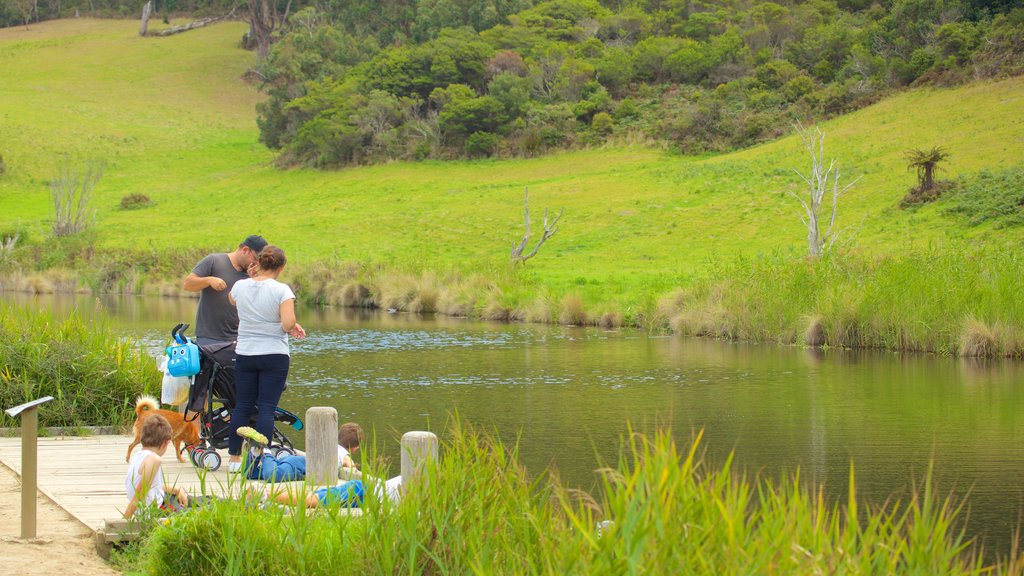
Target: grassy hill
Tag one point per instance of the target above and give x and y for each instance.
(173, 118)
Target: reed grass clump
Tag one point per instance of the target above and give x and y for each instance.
(659, 509)
(93, 374)
(498, 307)
(814, 331)
(978, 339)
(911, 302)
(611, 319)
(573, 312)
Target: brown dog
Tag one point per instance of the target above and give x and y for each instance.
(181, 431)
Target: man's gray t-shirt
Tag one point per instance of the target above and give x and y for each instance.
(216, 318)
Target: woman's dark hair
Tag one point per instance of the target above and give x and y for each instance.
(271, 258)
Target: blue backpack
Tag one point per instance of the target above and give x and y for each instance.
(183, 355)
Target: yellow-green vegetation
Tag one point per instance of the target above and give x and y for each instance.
(661, 510)
(174, 119)
(92, 374)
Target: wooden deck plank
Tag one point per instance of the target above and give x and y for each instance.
(85, 475)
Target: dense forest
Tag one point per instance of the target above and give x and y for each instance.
(358, 81)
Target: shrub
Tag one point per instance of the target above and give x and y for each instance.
(602, 123)
(481, 144)
(996, 195)
(135, 201)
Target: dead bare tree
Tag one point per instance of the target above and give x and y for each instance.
(147, 11)
(71, 191)
(8, 243)
(549, 231)
(821, 180)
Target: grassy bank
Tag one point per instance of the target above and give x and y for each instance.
(708, 245)
(92, 374)
(661, 510)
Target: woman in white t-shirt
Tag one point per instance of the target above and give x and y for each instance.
(266, 317)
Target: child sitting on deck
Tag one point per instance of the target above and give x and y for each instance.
(290, 467)
(144, 482)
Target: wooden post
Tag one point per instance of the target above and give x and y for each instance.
(322, 446)
(417, 449)
(29, 432)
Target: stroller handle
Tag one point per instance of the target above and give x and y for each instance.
(178, 333)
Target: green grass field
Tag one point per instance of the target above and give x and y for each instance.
(174, 118)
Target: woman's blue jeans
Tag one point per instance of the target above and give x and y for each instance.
(259, 382)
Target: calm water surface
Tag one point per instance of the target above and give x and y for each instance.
(570, 394)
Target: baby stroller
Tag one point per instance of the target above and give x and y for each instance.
(211, 397)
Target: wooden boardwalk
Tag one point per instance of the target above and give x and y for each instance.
(85, 475)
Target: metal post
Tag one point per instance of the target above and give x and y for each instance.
(29, 432)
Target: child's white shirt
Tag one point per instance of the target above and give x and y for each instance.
(132, 479)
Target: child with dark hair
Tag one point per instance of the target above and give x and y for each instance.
(349, 492)
(144, 483)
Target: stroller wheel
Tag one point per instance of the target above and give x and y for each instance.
(194, 455)
(283, 451)
(210, 460)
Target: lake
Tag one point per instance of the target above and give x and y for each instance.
(569, 396)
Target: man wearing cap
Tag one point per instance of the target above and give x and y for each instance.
(213, 277)
(216, 317)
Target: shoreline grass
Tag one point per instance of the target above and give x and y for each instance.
(955, 303)
(661, 509)
(93, 375)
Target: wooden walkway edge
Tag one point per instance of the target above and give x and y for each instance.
(85, 475)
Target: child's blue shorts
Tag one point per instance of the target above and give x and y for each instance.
(349, 494)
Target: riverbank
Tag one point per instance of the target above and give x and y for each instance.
(956, 302)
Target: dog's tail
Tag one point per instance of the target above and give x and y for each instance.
(144, 403)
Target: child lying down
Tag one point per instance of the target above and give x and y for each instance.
(288, 467)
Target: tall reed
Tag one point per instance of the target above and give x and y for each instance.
(958, 303)
(93, 374)
(660, 511)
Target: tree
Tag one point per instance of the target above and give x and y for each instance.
(24, 9)
(926, 163)
(820, 181)
(517, 255)
(265, 16)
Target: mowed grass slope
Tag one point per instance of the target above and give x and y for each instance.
(174, 119)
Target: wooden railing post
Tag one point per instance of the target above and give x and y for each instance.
(322, 446)
(29, 479)
(418, 448)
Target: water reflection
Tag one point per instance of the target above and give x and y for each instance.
(568, 396)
